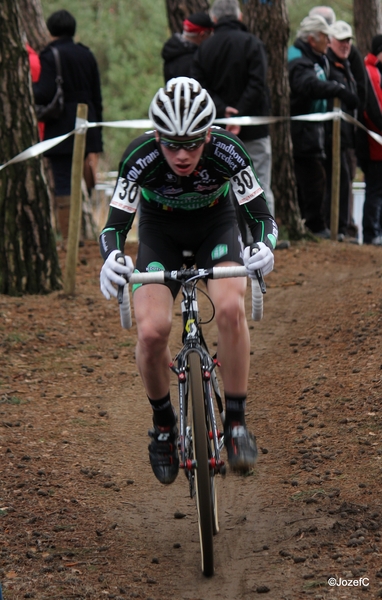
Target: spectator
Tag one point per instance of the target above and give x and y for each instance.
(339, 70)
(369, 151)
(359, 73)
(310, 90)
(178, 52)
(232, 66)
(81, 84)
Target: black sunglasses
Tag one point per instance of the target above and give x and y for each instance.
(189, 146)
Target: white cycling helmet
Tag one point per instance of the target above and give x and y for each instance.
(182, 108)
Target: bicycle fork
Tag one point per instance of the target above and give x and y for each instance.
(214, 436)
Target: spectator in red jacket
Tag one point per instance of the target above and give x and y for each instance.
(35, 67)
(369, 151)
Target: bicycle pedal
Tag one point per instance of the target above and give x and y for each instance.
(217, 465)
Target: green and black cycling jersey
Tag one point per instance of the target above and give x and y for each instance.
(146, 179)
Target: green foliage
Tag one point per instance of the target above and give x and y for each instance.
(298, 9)
(126, 37)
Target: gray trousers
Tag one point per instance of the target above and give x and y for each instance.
(260, 152)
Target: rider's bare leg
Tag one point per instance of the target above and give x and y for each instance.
(153, 305)
(233, 351)
(233, 354)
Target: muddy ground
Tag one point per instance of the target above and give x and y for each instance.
(82, 516)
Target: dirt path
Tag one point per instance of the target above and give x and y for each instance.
(81, 515)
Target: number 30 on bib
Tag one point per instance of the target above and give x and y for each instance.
(126, 195)
(245, 186)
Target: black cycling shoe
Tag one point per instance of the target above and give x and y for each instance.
(163, 453)
(241, 447)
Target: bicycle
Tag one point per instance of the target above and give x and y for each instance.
(200, 441)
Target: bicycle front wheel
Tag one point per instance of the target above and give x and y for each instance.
(202, 470)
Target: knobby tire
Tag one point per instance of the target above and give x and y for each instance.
(202, 471)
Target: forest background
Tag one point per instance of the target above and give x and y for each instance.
(127, 38)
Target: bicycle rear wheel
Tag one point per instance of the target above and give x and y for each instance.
(202, 471)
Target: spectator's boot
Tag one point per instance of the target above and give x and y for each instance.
(63, 212)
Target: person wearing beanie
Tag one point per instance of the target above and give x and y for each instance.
(178, 51)
(310, 91)
(81, 84)
(369, 151)
(376, 45)
(232, 65)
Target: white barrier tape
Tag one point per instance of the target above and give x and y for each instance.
(37, 149)
(353, 121)
(249, 120)
(137, 124)
(82, 125)
(266, 120)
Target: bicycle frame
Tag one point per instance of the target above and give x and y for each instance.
(200, 443)
(193, 340)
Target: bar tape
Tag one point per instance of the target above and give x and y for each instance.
(82, 125)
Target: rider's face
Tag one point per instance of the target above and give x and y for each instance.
(183, 153)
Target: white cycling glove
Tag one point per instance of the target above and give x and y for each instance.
(263, 260)
(114, 272)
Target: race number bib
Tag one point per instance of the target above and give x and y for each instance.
(245, 186)
(126, 195)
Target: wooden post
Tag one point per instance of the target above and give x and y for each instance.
(336, 166)
(75, 203)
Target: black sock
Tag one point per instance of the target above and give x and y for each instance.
(235, 409)
(163, 411)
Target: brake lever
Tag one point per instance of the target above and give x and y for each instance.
(254, 249)
(120, 257)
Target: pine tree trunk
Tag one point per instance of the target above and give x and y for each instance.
(28, 256)
(33, 23)
(269, 21)
(367, 22)
(178, 10)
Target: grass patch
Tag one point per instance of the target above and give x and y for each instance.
(304, 495)
(15, 338)
(14, 400)
(311, 585)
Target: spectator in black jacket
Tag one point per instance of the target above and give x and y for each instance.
(232, 66)
(178, 52)
(339, 70)
(81, 84)
(310, 89)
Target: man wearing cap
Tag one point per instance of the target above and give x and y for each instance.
(355, 58)
(369, 151)
(179, 50)
(232, 65)
(340, 70)
(310, 89)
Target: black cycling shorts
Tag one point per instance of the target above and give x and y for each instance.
(210, 234)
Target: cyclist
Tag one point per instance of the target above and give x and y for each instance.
(180, 174)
